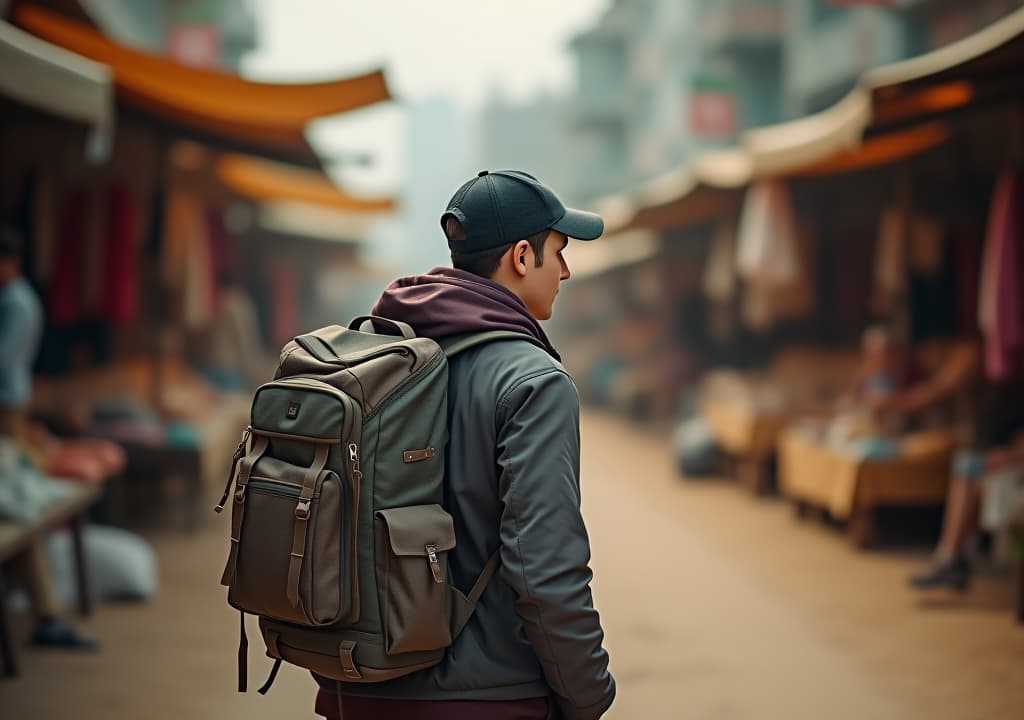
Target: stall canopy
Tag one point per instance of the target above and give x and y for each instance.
(49, 78)
(893, 112)
(223, 109)
(267, 181)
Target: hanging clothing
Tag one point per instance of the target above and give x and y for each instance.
(769, 257)
(890, 260)
(120, 297)
(45, 227)
(1001, 296)
(719, 282)
(66, 289)
(284, 307)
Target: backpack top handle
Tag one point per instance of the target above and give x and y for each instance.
(395, 326)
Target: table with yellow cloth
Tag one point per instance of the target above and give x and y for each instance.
(851, 489)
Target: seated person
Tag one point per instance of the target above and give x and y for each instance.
(885, 370)
(997, 444)
(21, 324)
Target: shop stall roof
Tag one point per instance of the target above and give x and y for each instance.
(268, 181)
(890, 114)
(293, 219)
(264, 118)
(51, 79)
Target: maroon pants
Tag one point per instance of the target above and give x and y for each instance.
(357, 708)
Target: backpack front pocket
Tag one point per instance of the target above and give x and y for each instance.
(412, 565)
(293, 560)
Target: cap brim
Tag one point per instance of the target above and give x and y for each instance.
(580, 224)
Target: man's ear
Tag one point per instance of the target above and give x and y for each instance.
(521, 257)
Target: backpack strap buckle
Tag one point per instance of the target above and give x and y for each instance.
(302, 510)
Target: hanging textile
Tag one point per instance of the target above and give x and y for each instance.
(1001, 295)
(45, 226)
(890, 261)
(769, 257)
(719, 281)
(93, 238)
(284, 309)
(66, 289)
(120, 272)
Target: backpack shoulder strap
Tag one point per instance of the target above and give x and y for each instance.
(455, 344)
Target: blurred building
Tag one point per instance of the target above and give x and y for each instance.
(659, 80)
(828, 44)
(532, 135)
(437, 150)
(200, 33)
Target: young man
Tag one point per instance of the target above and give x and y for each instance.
(21, 326)
(533, 649)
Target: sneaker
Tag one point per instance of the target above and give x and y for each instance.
(59, 635)
(954, 574)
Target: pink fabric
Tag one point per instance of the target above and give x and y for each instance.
(1001, 300)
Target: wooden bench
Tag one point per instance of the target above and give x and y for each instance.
(15, 538)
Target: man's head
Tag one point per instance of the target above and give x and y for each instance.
(509, 227)
(10, 254)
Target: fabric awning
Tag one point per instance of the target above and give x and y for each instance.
(266, 118)
(889, 115)
(267, 181)
(54, 80)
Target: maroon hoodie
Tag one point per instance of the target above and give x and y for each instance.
(447, 301)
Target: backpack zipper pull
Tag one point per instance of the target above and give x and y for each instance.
(435, 566)
(239, 454)
(353, 458)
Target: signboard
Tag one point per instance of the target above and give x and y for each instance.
(713, 114)
(195, 45)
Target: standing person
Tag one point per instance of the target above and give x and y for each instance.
(533, 649)
(21, 326)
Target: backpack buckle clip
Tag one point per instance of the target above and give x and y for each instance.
(302, 510)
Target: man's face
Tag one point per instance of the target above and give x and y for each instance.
(541, 283)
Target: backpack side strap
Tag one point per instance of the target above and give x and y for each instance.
(465, 605)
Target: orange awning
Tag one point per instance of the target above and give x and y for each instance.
(266, 118)
(269, 181)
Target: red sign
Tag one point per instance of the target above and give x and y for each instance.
(713, 114)
(195, 45)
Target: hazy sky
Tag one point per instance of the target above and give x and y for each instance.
(455, 48)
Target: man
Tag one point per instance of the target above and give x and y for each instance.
(533, 649)
(21, 325)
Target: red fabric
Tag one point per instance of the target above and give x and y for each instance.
(66, 288)
(1004, 324)
(120, 299)
(357, 708)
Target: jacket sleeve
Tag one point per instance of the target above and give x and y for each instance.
(545, 550)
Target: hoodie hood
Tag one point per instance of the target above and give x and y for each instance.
(447, 302)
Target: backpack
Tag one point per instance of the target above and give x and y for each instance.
(339, 537)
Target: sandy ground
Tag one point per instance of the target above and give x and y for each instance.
(716, 605)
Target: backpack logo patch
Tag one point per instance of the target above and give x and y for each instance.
(293, 410)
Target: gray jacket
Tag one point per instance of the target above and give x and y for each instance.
(513, 482)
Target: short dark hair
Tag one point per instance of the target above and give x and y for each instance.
(485, 262)
(10, 243)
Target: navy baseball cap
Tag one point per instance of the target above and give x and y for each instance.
(501, 207)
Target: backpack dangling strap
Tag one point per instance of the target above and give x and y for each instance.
(244, 470)
(302, 520)
(239, 453)
(271, 678)
(243, 655)
(485, 577)
(465, 611)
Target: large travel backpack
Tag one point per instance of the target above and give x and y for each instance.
(339, 537)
